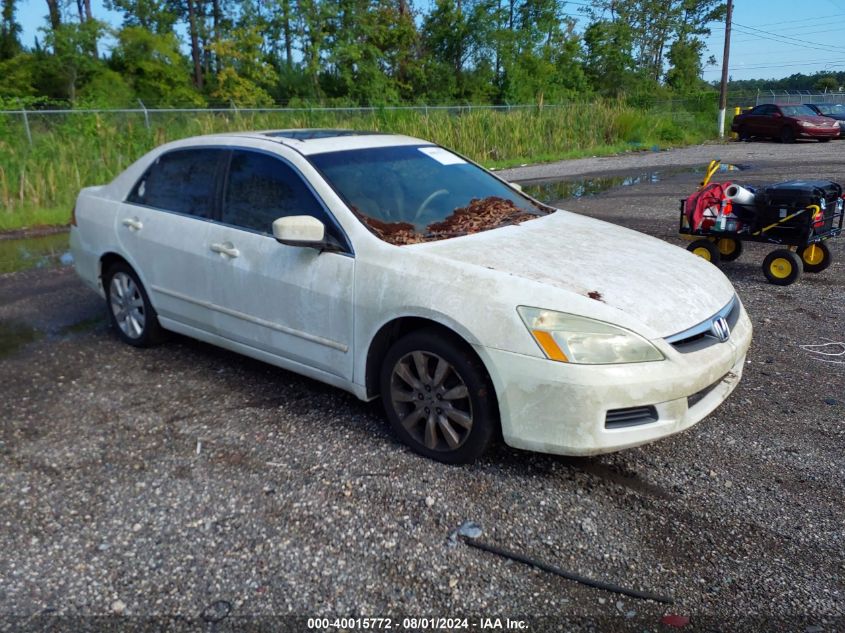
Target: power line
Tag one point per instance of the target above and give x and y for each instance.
(784, 40)
(763, 66)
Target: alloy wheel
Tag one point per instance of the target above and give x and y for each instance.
(431, 400)
(127, 305)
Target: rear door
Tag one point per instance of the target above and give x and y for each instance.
(772, 121)
(290, 301)
(755, 121)
(164, 227)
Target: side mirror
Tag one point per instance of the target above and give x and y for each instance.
(300, 230)
(777, 115)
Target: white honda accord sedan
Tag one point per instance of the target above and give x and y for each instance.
(394, 268)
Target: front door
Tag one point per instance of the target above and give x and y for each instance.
(292, 302)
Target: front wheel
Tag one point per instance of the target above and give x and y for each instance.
(787, 135)
(438, 397)
(130, 312)
(782, 267)
(815, 257)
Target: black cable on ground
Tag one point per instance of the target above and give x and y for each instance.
(598, 584)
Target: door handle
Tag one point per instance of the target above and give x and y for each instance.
(225, 249)
(134, 224)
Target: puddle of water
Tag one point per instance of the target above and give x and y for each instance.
(48, 251)
(566, 189)
(13, 336)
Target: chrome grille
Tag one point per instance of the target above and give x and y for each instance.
(700, 336)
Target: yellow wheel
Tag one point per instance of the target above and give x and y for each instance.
(815, 257)
(782, 267)
(706, 250)
(729, 248)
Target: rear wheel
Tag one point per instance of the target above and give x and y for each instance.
(729, 249)
(130, 311)
(815, 257)
(706, 250)
(438, 397)
(787, 135)
(743, 133)
(782, 267)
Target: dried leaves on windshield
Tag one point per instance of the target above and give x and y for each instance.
(478, 215)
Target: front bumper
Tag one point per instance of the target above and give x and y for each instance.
(822, 132)
(561, 408)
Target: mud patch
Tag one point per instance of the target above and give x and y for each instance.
(14, 336)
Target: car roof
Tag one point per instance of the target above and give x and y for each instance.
(321, 140)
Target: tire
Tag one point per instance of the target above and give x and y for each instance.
(782, 267)
(130, 312)
(415, 384)
(824, 140)
(706, 250)
(787, 135)
(815, 257)
(729, 249)
(743, 134)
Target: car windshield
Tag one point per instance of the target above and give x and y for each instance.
(411, 194)
(831, 108)
(798, 110)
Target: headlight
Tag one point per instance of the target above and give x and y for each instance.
(806, 124)
(574, 339)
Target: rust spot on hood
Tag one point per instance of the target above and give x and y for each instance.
(595, 294)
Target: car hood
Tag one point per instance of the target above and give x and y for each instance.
(659, 285)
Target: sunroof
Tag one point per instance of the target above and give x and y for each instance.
(307, 135)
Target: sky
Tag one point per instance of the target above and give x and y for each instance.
(770, 39)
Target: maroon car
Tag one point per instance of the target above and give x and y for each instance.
(784, 122)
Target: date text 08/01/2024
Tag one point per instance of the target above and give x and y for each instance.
(416, 624)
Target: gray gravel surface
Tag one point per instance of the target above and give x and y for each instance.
(155, 482)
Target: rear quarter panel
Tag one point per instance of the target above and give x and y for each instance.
(94, 233)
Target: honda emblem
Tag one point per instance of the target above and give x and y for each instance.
(720, 329)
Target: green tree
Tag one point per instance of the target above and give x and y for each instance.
(154, 67)
(684, 74)
(10, 44)
(157, 16)
(827, 83)
(245, 76)
(72, 61)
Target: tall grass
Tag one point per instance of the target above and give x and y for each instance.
(39, 183)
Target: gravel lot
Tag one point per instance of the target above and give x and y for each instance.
(158, 482)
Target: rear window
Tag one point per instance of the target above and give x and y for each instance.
(183, 181)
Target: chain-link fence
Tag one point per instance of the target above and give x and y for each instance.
(797, 97)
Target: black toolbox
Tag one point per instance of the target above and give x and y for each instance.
(774, 203)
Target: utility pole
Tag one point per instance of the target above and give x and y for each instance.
(723, 89)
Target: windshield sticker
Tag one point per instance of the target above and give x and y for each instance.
(442, 156)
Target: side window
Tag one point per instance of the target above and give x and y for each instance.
(261, 189)
(182, 180)
(759, 110)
